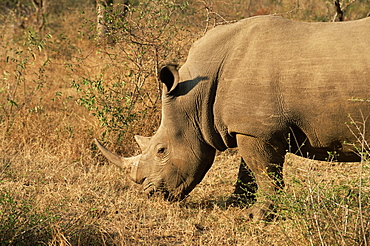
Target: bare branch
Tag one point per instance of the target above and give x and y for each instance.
(340, 9)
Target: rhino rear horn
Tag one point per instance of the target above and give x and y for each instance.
(169, 75)
(143, 142)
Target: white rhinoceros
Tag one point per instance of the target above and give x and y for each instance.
(265, 85)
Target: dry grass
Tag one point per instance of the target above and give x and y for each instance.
(55, 189)
(64, 201)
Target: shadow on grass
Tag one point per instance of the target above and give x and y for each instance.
(220, 202)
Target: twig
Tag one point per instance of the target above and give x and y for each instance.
(360, 185)
(299, 146)
(209, 12)
(294, 9)
(364, 155)
(316, 220)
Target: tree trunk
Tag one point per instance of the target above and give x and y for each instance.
(101, 9)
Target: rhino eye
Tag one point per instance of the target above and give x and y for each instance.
(161, 150)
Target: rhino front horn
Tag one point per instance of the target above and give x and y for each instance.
(119, 161)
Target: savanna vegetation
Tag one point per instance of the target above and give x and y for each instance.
(63, 84)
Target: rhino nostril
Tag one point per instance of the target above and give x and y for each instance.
(140, 181)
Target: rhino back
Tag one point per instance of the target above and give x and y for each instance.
(272, 73)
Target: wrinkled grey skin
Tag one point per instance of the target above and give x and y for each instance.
(265, 85)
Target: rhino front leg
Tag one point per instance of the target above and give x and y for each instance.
(264, 161)
(245, 187)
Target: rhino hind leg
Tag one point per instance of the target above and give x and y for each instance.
(261, 176)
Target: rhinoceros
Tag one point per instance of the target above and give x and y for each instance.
(265, 85)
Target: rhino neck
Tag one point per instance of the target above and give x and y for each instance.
(195, 99)
(207, 118)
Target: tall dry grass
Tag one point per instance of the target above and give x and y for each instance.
(59, 90)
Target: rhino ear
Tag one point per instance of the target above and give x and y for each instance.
(142, 141)
(169, 75)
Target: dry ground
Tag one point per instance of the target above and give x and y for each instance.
(47, 197)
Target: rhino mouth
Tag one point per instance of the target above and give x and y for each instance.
(150, 189)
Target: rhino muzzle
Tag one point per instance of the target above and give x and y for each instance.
(122, 162)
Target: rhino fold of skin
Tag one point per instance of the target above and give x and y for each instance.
(265, 85)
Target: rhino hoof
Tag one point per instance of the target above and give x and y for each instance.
(259, 213)
(240, 200)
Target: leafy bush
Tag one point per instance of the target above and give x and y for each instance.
(17, 93)
(329, 204)
(21, 221)
(125, 94)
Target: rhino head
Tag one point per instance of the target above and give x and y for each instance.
(176, 158)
